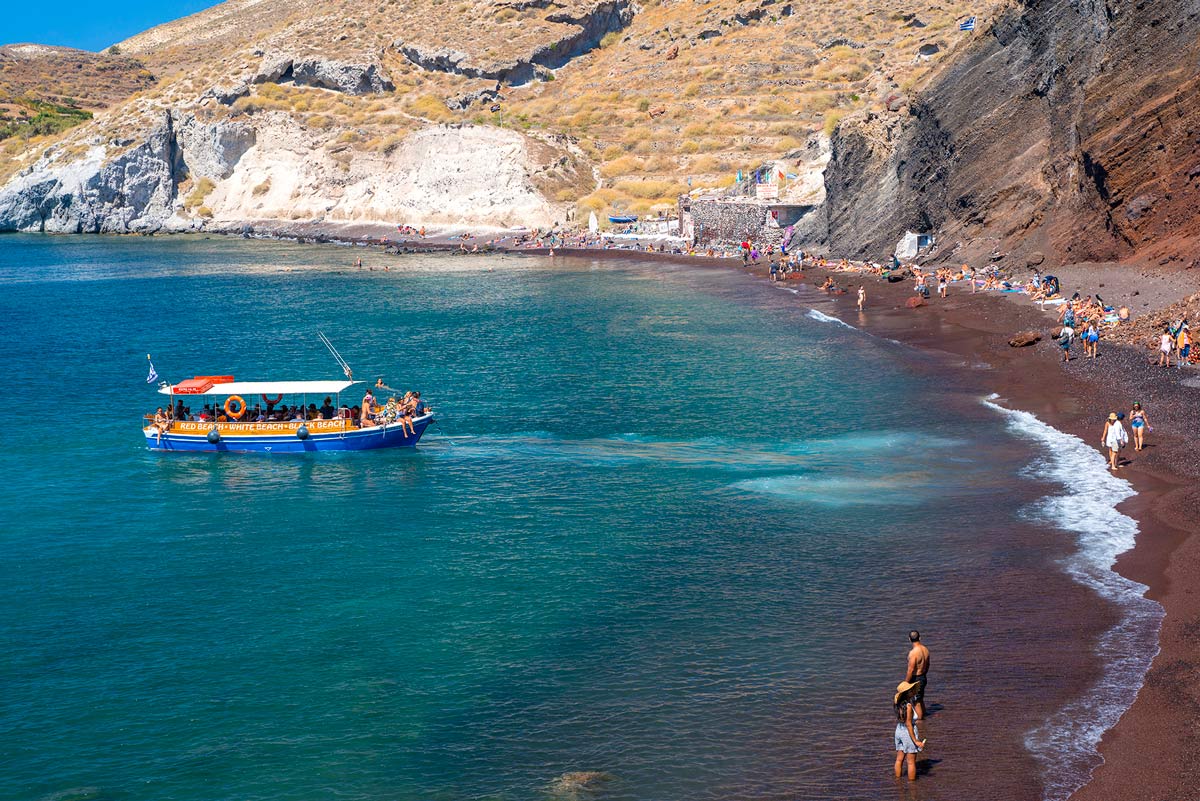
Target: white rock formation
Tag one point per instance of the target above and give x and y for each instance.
(279, 171)
(437, 176)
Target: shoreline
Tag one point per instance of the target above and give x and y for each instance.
(1149, 752)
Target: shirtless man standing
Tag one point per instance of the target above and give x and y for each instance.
(918, 667)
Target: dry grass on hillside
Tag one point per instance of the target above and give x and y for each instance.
(91, 81)
(690, 89)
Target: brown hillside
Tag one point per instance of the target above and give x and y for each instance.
(655, 94)
(92, 81)
(643, 100)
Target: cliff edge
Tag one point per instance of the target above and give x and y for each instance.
(1066, 127)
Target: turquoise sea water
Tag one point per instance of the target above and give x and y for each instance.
(670, 527)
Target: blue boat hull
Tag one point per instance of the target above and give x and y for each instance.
(390, 436)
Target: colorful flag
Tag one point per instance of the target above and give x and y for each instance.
(969, 25)
(150, 379)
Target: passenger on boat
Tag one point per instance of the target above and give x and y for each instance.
(311, 413)
(406, 413)
(368, 408)
(161, 424)
(327, 410)
(180, 413)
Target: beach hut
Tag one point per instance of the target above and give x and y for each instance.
(913, 244)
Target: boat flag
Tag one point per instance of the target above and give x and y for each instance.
(969, 25)
(150, 379)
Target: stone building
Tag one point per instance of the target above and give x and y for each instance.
(708, 221)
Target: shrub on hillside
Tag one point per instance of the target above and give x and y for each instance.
(650, 188)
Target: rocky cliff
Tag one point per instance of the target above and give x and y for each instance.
(536, 110)
(135, 190)
(1067, 126)
(191, 175)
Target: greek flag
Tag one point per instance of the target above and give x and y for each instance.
(150, 379)
(969, 25)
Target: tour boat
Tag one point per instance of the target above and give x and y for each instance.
(232, 431)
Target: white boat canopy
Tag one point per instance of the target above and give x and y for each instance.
(272, 388)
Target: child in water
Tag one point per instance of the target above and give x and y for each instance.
(907, 744)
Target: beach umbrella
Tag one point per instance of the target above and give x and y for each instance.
(593, 223)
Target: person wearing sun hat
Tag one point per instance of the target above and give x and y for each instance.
(1114, 438)
(906, 736)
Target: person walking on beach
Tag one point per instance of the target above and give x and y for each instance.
(1091, 340)
(1164, 347)
(1140, 424)
(1115, 437)
(1064, 341)
(862, 296)
(918, 670)
(1183, 345)
(906, 735)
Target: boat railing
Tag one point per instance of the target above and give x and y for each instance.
(349, 424)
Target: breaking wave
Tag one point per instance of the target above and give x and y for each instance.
(1066, 745)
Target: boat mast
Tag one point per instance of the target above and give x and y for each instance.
(337, 356)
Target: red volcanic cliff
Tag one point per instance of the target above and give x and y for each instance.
(1070, 127)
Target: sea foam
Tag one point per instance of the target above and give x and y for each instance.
(825, 318)
(1066, 744)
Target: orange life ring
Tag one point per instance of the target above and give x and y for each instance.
(241, 407)
(271, 402)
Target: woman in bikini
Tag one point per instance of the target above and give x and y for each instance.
(1140, 424)
(161, 424)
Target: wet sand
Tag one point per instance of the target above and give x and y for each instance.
(1152, 752)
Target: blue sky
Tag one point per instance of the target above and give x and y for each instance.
(88, 25)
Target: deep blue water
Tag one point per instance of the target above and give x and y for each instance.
(669, 527)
